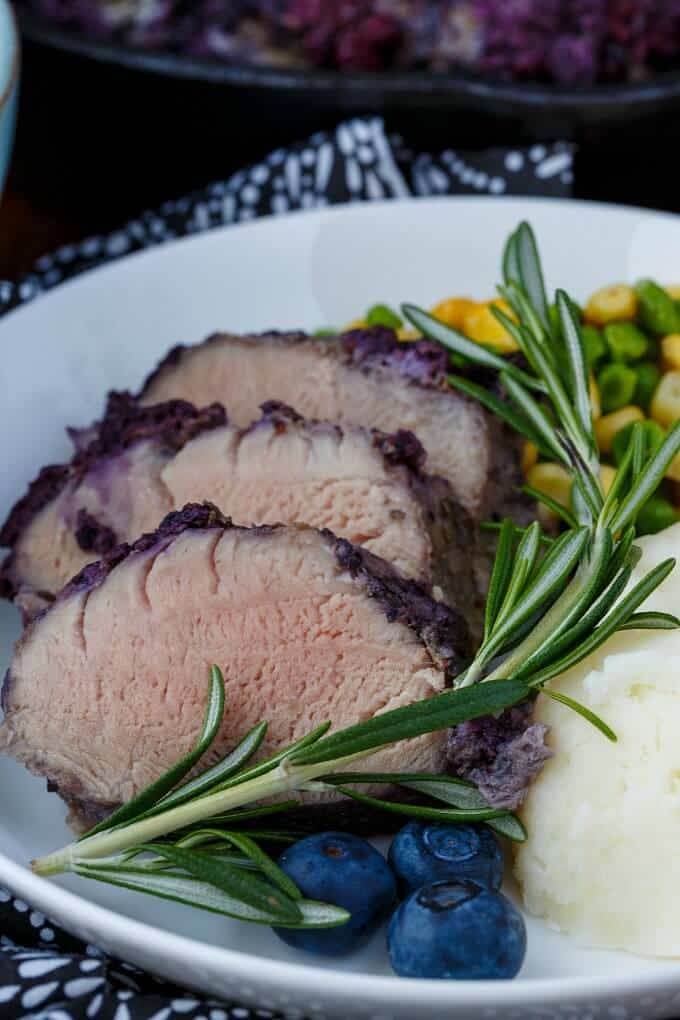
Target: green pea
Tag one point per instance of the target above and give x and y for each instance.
(382, 315)
(616, 384)
(648, 378)
(594, 346)
(625, 341)
(656, 514)
(654, 436)
(657, 310)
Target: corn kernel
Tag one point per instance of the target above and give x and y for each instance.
(673, 290)
(553, 480)
(665, 405)
(611, 304)
(355, 324)
(607, 426)
(529, 456)
(670, 352)
(607, 476)
(408, 334)
(452, 311)
(595, 404)
(480, 324)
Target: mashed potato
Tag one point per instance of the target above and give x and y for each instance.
(602, 861)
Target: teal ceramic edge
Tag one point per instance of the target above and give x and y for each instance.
(9, 84)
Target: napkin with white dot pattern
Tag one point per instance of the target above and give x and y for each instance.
(45, 973)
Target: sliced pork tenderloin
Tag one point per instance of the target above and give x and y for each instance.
(366, 378)
(107, 687)
(364, 485)
(111, 491)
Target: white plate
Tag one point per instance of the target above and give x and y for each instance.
(107, 329)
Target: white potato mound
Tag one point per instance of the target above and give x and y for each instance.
(602, 861)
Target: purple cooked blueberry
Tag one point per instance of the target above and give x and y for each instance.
(338, 868)
(459, 931)
(422, 853)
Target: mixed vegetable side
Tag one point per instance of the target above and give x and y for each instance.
(632, 344)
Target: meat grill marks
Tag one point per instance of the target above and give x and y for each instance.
(366, 378)
(140, 463)
(107, 687)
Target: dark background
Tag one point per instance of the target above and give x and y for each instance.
(97, 144)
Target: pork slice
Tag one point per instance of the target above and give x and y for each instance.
(366, 378)
(364, 485)
(107, 687)
(111, 491)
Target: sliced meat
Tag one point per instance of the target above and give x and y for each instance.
(110, 492)
(367, 378)
(107, 687)
(364, 485)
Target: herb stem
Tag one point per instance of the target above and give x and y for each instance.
(104, 844)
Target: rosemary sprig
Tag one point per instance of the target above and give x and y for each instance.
(547, 612)
(180, 853)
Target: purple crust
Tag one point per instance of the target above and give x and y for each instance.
(501, 756)
(401, 447)
(4, 692)
(443, 629)
(194, 516)
(92, 535)
(420, 361)
(41, 491)
(126, 422)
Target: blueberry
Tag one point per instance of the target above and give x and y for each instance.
(457, 930)
(423, 853)
(336, 867)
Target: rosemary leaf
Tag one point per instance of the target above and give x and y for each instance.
(581, 710)
(535, 415)
(243, 842)
(491, 526)
(555, 571)
(448, 789)
(648, 480)
(523, 564)
(151, 794)
(420, 811)
(555, 647)
(214, 776)
(468, 349)
(511, 267)
(616, 619)
(552, 504)
(437, 713)
(571, 331)
(528, 262)
(500, 576)
(247, 888)
(204, 896)
(308, 740)
(651, 621)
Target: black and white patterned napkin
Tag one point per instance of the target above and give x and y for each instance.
(46, 974)
(357, 162)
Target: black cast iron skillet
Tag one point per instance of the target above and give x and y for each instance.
(549, 107)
